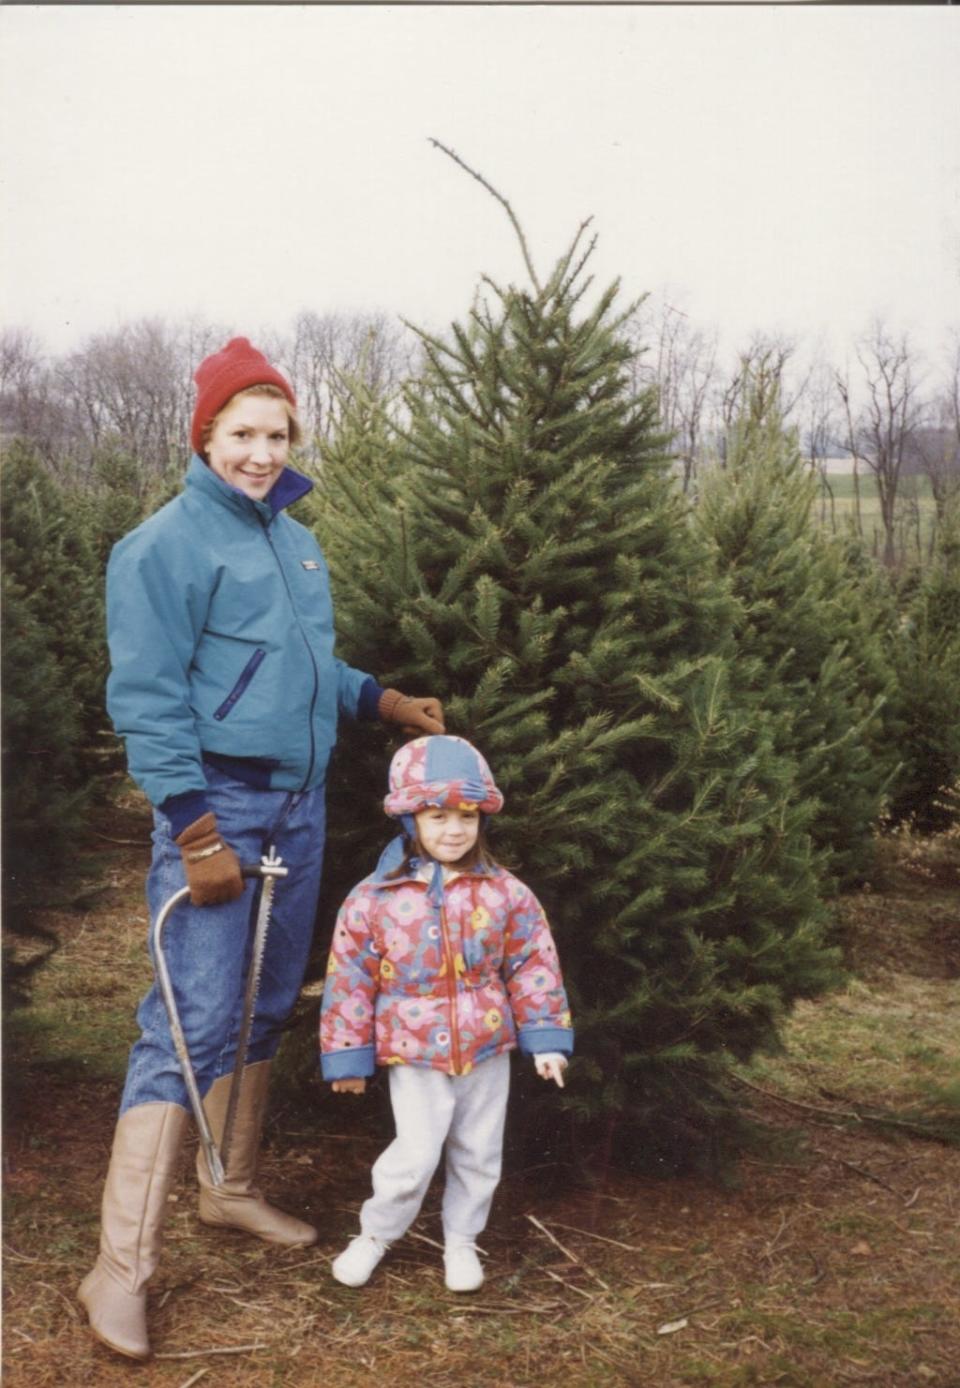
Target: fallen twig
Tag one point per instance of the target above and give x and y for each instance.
(859, 1171)
(777, 1236)
(424, 1239)
(196, 1377)
(566, 1252)
(800, 1103)
(199, 1353)
(569, 1285)
(75, 1314)
(475, 1308)
(631, 1248)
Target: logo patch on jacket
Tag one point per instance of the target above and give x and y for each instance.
(309, 563)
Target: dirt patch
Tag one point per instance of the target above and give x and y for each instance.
(830, 1258)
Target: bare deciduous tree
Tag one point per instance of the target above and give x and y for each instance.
(880, 431)
(820, 430)
(934, 448)
(131, 389)
(681, 364)
(330, 350)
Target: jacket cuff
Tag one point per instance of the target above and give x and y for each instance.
(182, 810)
(369, 699)
(534, 1040)
(357, 1063)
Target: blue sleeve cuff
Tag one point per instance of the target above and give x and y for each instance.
(182, 810)
(368, 699)
(358, 1063)
(535, 1040)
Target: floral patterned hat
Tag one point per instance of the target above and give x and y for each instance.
(441, 771)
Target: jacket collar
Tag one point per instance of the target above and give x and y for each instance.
(289, 487)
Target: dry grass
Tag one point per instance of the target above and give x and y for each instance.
(832, 1259)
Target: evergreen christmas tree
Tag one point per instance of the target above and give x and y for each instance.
(54, 664)
(809, 655)
(924, 651)
(512, 540)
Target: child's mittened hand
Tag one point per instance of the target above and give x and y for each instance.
(349, 1086)
(550, 1066)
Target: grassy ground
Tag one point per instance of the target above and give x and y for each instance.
(830, 1258)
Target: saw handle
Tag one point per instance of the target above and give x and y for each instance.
(264, 869)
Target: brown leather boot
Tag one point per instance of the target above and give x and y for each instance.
(143, 1165)
(238, 1204)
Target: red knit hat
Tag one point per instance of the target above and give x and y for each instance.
(220, 376)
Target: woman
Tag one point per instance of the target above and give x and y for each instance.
(224, 685)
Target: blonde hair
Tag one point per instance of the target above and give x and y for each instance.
(263, 388)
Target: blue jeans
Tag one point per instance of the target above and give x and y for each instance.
(208, 948)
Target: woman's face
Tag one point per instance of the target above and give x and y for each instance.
(249, 444)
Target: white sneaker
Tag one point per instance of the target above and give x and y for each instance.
(462, 1267)
(358, 1260)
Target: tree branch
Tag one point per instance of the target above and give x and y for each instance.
(451, 154)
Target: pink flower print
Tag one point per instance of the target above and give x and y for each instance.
(407, 1046)
(493, 1019)
(344, 1036)
(433, 932)
(357, 1006)
(398, 942)
(491, 896)
(541, 982)
(411, 1011)
(404, 905)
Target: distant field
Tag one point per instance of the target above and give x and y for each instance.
(915, 512)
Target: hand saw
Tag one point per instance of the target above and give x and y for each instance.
(269, 869)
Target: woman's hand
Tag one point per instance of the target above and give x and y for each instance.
(349, 1086)
(212, 867)
(415, 716)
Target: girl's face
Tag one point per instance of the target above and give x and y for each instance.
(249, 444)
(447, 835)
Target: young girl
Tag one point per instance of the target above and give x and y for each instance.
(442, 962)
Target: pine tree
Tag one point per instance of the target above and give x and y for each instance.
(54, 664)
(512, 541)
(43, 793)
(924, 650)
(810, 653)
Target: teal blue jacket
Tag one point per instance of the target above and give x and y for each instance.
(220, 627)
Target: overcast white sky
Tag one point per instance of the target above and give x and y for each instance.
(772, 167)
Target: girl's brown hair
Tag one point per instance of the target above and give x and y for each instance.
(479, 856)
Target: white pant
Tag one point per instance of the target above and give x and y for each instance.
(430, 1108)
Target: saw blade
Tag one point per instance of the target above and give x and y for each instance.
(249, 1003)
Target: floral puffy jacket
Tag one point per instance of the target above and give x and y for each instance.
(410, 982)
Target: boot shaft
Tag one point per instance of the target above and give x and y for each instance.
(144, 1163)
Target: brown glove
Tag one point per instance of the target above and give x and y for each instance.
(415, 716)
(212, 867)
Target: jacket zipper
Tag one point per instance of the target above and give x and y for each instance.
(455, 1058)
(313, 663)
(246, 675)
